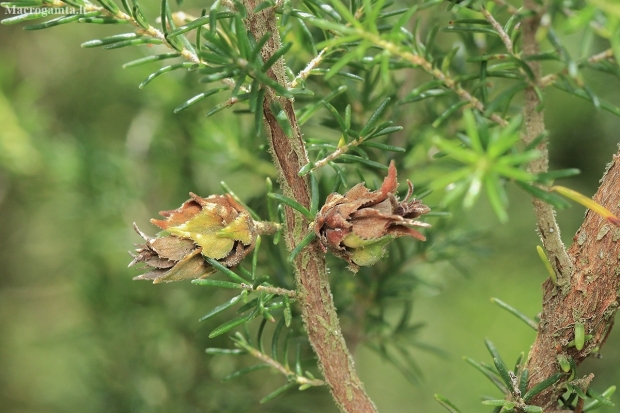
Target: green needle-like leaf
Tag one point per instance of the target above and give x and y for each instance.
(549, 177)
(216, 283)
(303, 244)
(277, 55)
(493, 351)
(346, 14)
(224, 351)
(457, 151)
(516, 313)
(278, 392)
(541, 386)
(224, 306)
(520, 158)
(600, 399)
(506, 139)
(523, 380)
(201, 21)
(493, 377)
(243, 41)
(354, 159)
(135, 42)
(293, 204)
(314, 193)
(498, 403)
(245, 371)
(276, 338)
(475, 186)
(469, 29)
(229, 325)
(184, 65)
(259, 335)
(227, 271)
(288, 315)
(503, 372)
(110, 40)
(149, 59)
(59, 21)
(336, 115)
(497, 195)
(197, 98)
(449, 112)
(376, 116)
(335, 68)
(548, 197)
(447, 404)
(383, 147)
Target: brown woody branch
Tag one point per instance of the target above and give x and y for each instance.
(588, 273)
(591, 297)
(315, 298)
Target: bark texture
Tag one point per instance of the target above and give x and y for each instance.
(592, 297)
(588, 273)
(316, 301)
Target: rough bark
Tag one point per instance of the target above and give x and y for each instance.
(587, 274)
(317, 305)
(592, 296)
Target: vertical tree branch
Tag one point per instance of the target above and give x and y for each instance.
(317, 305)
(592, 297)
(534, 127)
(588, 274)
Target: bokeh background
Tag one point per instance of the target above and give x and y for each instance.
(84, 153)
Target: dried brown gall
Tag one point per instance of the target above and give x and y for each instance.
(358, 225)
(216, 227)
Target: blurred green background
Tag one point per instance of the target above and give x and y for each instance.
(84, 153)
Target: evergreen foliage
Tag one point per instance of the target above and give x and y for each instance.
(354, 72)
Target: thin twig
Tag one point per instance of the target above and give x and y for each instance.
(269, 289)
(511, 9)
(303, 75)
(155, 34)
(535, 126)
(499, 29)
(316, 302)
(604, 55)
(429, 68)
(266, 227)
(341, 150)
(301, 380)
(550, 79)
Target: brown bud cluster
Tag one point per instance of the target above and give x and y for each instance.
(216, 227)
(357, 226)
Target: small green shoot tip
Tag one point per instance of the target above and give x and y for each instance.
(580, 337)
(545, 260)
(563, 362)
